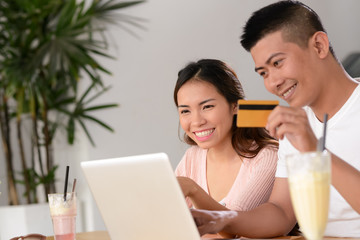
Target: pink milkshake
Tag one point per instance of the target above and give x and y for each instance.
(63, 214)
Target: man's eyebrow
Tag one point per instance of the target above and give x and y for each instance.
(201, 103)
(269, 60)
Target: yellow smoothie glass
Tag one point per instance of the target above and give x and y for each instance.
(309, 182)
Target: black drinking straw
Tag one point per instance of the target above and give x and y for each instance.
(321, 143)
(66, 182)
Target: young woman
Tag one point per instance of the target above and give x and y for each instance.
(226, 167)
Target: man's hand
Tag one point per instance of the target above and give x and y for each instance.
(294, 124)
(212, 221)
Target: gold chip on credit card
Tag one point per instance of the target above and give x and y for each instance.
(254, 113)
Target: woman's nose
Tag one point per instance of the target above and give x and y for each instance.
(198, 119)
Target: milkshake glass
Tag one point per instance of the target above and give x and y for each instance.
(63, 215)
(309, 182)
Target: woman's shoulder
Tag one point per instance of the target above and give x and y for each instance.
(269, 149)
(192, 162)
(267, 155)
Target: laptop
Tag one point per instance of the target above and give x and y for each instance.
(139, 198)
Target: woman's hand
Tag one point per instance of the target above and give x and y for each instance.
(199, 198)
(188, 186)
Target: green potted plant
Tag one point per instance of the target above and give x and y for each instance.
(46, 47)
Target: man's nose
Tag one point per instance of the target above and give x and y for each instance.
(275, 81)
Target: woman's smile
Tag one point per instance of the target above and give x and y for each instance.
(204, 134)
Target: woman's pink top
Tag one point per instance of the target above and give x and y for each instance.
(252, 186)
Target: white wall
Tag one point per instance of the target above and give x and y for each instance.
(178, 32)
(145, 72)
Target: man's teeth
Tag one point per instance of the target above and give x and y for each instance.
(204, 133)
(288, 91)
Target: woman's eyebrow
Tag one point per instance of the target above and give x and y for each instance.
(207, 100)
(201, 103)
(180, 106)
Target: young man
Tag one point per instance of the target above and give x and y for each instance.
(292, 53)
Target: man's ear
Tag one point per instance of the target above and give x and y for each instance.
(320, 43)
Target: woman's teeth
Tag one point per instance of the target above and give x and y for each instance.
(204, 133)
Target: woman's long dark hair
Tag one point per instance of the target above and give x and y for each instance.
(247, 142)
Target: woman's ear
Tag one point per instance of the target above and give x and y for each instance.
(234, 108)
(320, 43)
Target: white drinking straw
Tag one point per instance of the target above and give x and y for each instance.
(321, 142)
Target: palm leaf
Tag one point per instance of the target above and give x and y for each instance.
(100, 107)
(86, 132)
(99, 122)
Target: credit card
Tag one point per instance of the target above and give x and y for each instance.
(254, 113)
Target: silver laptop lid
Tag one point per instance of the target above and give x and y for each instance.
(140, 198)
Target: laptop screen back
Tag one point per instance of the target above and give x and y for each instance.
(140, 198)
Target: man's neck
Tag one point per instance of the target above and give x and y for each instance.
(338, 89)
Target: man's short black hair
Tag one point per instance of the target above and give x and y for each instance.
(297, 22)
